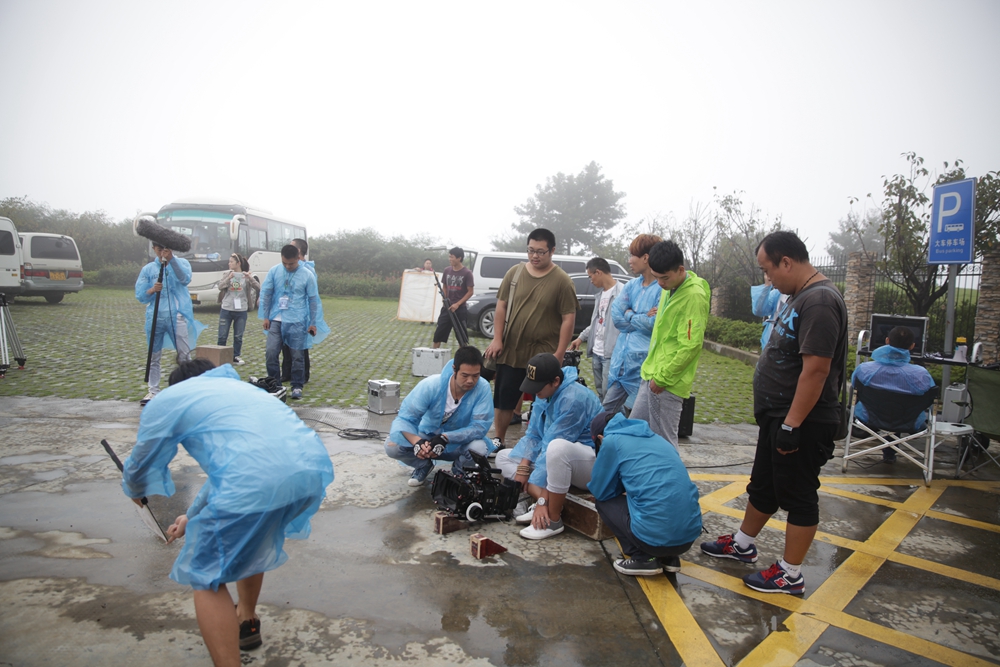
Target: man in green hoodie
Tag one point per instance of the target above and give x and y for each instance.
(675, 345)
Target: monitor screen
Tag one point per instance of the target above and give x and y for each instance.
(881, 325)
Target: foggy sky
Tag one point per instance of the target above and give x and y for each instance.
(440, 117)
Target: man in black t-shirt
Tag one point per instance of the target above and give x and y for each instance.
(795, 390)
(458, 285)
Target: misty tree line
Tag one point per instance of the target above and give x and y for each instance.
(588, 217)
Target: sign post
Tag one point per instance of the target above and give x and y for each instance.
(953, 217)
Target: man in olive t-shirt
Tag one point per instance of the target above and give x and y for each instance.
(541, 318)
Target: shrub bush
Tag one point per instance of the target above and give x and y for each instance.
(358, 284)
(119, 275)
(734, 333)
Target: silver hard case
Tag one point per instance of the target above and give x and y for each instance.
(383, 396)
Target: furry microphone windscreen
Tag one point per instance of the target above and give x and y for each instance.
(162, 236)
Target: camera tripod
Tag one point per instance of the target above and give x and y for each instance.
(7, 331)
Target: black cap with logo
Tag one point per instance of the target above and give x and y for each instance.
(540, 371)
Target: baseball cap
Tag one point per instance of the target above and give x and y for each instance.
(598, 424)
(541, 370)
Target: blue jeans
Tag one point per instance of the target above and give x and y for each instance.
(238, 318)
(272, 350)
(460, 455)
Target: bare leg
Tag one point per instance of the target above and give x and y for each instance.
(798, 539)
(249, 590)
(754, 520)
(555, 501)
(437, 345)
(218, 625)
(501, 420)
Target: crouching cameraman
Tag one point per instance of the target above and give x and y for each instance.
(445, 417)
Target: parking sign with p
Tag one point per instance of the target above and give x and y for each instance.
(953, 231)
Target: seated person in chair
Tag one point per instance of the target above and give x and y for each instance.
(557, 451)
(890, 369)
(453, 409)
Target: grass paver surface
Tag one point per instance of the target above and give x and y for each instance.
(93, 345)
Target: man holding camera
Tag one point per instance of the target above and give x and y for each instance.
(557, 451)
(444, 418)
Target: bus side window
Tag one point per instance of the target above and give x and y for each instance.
(244, 242)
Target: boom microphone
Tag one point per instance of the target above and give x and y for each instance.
(146, 227)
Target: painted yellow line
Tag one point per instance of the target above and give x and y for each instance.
(954, 518)
(786, 648)
(726, 493)
(837, 618)
(684, 632)
(851, 495)
(945, 570)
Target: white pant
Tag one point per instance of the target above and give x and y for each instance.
(183, 352)
(567, 464)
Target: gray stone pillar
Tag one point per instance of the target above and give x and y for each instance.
(718, 305)
(859, 293)
(988, 308)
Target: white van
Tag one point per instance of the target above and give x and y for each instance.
(489, 268)
(52, 266)
(10, 258)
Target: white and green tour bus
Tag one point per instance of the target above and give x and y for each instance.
(218, 228)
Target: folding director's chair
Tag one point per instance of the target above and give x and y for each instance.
(983, 385)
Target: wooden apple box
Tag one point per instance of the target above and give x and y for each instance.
(217, 354)
(580, 514)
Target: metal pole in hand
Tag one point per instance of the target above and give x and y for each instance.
(152, 329)
(461, 335)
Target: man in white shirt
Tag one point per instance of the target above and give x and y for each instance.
(602, 333)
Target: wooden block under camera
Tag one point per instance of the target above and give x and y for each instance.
(445, 523)
(217, 354)
(484, 547)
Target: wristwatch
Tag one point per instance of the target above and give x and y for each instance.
(541, 502)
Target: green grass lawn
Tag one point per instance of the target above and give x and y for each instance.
(93, 345)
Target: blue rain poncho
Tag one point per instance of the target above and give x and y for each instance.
(565, 415)
(629, 315)
(764, 303)
(174, 300)
(662, 500)
(890, 369)
(422, 411)
(305, 309)
(267, 474)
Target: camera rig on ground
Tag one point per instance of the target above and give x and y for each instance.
(477, 493)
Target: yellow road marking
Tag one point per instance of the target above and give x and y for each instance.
(810, 618)
(688, 638)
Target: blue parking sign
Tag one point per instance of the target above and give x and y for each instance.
(953, 231)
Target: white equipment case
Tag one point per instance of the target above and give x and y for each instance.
(383, 396)
(428, 361)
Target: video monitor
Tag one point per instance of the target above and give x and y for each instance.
(881, 325)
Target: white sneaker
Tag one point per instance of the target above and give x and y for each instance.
(522, 508)
(238, 361)
(147, 398)
(532, 533)
(526, 516)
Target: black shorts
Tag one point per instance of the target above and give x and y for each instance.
(790, 481)
(444, 323)
(507, 392)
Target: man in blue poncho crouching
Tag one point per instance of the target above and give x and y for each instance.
(267, 475)
(445, 417)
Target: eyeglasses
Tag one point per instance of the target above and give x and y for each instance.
(532, 252)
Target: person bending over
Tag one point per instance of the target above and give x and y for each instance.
(267, 475)
(445, 417)
(643, 494)
(557, 451)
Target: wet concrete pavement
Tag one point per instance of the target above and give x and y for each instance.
(900, 574)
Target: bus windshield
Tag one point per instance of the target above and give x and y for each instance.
(208, 230)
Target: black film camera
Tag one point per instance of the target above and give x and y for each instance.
(477, 493)
(572, 358)
(272, 386)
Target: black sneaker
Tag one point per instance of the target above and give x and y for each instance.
(671, 563)
(250, 634)
(639, 567)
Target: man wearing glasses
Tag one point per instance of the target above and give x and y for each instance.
(535, 314)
